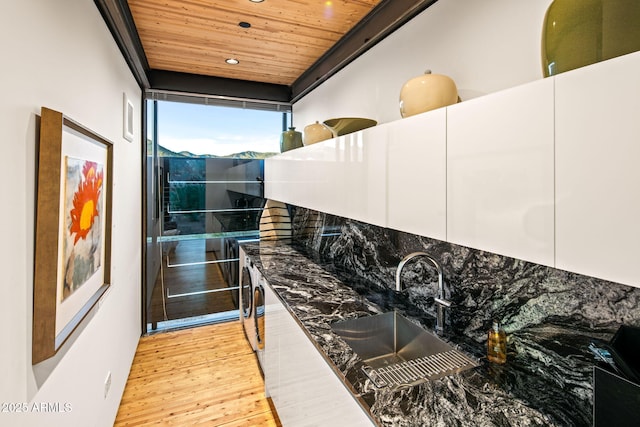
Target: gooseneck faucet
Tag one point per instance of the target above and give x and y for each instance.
(439, 299)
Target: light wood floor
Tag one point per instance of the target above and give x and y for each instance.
(206, 376)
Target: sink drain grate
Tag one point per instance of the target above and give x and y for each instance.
(418, 370)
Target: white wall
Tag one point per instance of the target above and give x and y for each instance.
(485, 46)
(59, 54)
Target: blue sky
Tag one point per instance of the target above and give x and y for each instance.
(206, 129)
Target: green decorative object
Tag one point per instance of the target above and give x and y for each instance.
(345, 125)
(582, 32)
(290, 139)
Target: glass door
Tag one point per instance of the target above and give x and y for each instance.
(206, 198)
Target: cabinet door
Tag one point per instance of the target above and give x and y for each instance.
(363, 188)
(597, 170)
(309, 386)
(344, 176)
(307, 176)
(500, 173)
(303, 387)
(417, 175)
(274, 312)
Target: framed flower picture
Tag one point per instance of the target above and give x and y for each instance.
(73, 229)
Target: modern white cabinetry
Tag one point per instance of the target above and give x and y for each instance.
(417, 174)
(500, 189)
(303, 177)
(344, 176)
(363, 186)
(302, 386)
(547, 172)
(598, 170)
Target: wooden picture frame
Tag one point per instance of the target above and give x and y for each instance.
(72, 267)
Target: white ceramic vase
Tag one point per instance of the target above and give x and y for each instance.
(316, 132)
(427, 92)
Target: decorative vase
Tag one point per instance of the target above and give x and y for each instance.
(427, 92)
(290, 139)
(576, 33)
(316, 132)
(275, 222)
(344, 125)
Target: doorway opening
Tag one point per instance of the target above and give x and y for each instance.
(204, 180)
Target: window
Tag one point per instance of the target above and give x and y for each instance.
(204, 196)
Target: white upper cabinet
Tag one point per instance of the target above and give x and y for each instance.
(500, 168)
(363, 186)
(417, 175)
(598, 170)
(306, 176)
(344, 176)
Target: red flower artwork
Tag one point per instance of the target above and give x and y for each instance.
(85, 201)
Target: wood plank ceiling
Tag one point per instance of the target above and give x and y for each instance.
(285, 48)
(284, 38)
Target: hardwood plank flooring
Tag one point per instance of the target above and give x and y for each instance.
(207, 375)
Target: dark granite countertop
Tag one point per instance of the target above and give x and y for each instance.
(535, 387)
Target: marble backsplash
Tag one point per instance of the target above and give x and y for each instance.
(518, 293)
(550, 315)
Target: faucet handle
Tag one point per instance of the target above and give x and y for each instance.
(443, 302)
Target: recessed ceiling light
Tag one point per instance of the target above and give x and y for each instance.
(244, 24)
(256, 1)
(231, 61)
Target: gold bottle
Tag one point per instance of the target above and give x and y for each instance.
(497, 344)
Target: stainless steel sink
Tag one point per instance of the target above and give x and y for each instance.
(398, 352)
